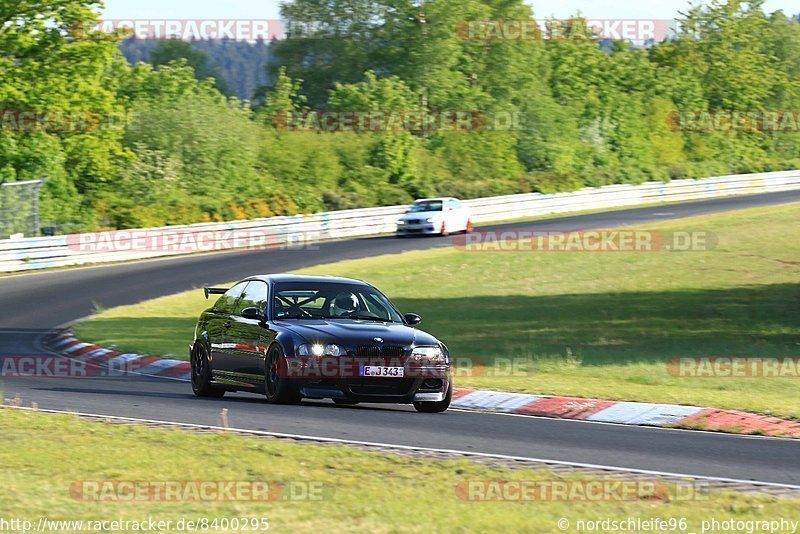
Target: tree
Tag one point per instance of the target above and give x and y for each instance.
(174, 50)
(52, 64)
(284, 97)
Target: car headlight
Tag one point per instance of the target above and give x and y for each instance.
(428, 355)
(430, 219)
(318, 349)
(401, 222)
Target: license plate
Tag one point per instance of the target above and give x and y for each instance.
(388, 372)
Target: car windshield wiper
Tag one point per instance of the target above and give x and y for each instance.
(356, 317)
(368, 317)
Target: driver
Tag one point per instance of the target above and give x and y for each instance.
(345, 304)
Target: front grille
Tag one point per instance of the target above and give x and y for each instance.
(381, 386)
(368, 350)
(373, 351)
(393, 351)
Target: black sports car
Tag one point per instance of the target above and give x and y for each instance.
(291, 337)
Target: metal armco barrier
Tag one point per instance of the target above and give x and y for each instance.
(300, 230)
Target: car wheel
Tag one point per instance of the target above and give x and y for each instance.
(436, 407)
(344, 402)
(201, 374)
(277, 386)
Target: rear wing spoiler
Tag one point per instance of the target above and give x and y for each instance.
(213, 291)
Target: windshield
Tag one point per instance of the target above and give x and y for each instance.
(331, 300)
(426, 206)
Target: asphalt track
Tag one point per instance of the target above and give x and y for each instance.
(31, 305)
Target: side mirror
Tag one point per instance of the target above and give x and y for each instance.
(251, 313)
(412, 319)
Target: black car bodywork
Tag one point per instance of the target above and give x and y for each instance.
(261, 337)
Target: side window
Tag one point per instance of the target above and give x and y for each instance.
(255, 295)
(226, 302)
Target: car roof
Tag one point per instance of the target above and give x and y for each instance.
(304, 278)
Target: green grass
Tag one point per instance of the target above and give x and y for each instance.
(585, 324)
(361, 491)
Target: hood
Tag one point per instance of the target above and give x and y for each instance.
(350, 332)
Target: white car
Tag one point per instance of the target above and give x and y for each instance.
(440, 216)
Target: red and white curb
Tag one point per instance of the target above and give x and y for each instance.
(68, 345)
(604, 411)
(626, 413)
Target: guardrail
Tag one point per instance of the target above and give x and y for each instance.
(79, 249)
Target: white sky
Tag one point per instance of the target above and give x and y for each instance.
(269, 9)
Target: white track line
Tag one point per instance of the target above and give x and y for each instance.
(410, 448)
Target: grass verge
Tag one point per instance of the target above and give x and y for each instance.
(575, 323)
(354, 490)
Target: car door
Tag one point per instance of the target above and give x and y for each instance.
(457, 217)
(464, 214)
(250, 336)
(218, 327)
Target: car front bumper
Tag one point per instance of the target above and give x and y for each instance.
(378, 390)
(419, 229)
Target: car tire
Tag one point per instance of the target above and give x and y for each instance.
(278, 388)
(201, 374)
(436, 407)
